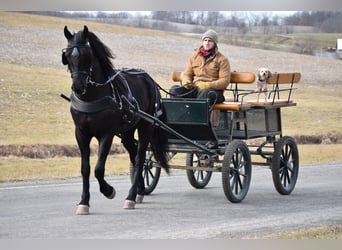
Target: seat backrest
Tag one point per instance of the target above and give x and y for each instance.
(235, 77)
(242, 77)
(283, 78)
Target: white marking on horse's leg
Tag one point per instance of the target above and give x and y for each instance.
(82, 210)
(129, 204)
(112, 195)
(139, 198)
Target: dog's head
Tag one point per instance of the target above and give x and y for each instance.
(263, 74)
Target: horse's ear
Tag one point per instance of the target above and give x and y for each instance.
(67, 33)
(85, 31)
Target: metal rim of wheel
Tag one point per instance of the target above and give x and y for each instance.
(197, 178)
(236, 171)
(285, 165)
(151, 173)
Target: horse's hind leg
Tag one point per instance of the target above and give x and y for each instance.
(137, 189)
(131, 145)
(104, 147)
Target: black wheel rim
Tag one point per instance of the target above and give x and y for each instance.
(285, 165)
(197, 178)
(237, 172)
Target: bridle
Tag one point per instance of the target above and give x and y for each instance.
(75, 53)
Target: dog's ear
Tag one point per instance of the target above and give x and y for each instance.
(269, 73)
(64, 58)
(259, 73)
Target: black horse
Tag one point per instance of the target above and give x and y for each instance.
(98, 110)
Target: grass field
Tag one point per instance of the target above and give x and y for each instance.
(293, 42)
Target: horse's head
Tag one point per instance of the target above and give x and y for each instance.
(78, 57)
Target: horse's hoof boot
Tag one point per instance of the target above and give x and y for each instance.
(139, 198)
(129, 204)
(82, 209)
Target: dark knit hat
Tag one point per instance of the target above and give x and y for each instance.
(211, 34)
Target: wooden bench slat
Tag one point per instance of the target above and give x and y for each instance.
(281, 78)
(236, 106)
(242, 77)
(268, 102)
(235, 77)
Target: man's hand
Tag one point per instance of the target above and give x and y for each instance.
(188, 85)
(203, 85)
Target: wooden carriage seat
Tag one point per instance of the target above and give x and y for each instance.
(236, 78)
(278, 83)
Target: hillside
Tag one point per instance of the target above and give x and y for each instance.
(32, 75)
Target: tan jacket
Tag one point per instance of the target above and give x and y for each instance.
(215, 70)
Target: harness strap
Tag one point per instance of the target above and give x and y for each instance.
(126, 89)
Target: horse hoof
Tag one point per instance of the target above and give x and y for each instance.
(112, 195)
(82, 210)
(129, 204)
(139, 198)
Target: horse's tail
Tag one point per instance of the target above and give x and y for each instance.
(158, 142)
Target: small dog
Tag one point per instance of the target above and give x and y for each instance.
(263, 75)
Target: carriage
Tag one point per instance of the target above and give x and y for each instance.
(248, 131)
(107, 102)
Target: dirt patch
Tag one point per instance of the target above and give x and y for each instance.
(50, 151)
(330, 138)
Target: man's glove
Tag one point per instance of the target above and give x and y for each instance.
(188, 85)
(203, 85)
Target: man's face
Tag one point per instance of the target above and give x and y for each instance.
(208, 44)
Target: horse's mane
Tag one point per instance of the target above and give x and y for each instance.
(103, 53)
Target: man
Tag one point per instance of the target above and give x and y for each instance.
(207, 73)
(206, 76)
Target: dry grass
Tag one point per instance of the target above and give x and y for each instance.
(316, 154)
(326, 233)
(18, 169)
(31, 110)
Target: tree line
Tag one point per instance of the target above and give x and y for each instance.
(323, 21)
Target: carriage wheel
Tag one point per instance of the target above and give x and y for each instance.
(236, 171)
(151, 173)
(197, 178)
(285, 164)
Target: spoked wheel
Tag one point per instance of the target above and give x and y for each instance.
(285, 165)
(198, 178)
(151, 173)
(236, 171)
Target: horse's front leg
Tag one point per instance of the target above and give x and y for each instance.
(104, 148)
(84, 146)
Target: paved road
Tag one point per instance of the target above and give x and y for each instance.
(46, 209)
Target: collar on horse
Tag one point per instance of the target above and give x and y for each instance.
(104, 103)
